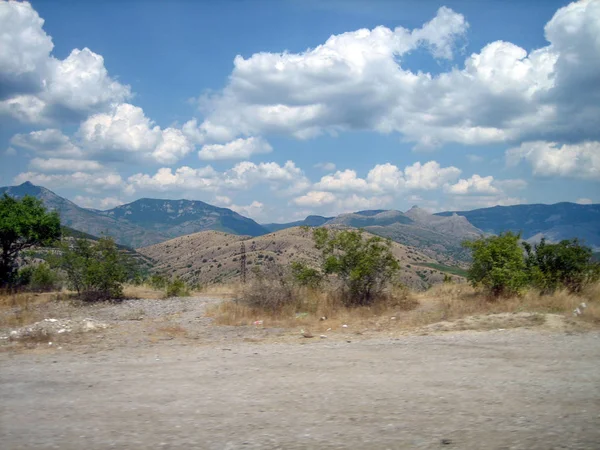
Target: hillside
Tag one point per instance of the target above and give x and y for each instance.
(555, 222)
(85, 220)
(211, 256)
(143, 222)
(310, 221)
(438, 237)
(181, 217)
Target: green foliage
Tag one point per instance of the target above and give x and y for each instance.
(365, 266)
(306, 276)
(44, 279)
(566, 264)
(177, 288)
(498, 264)
(97, 270)
(158, 281)
(24, 223)
(453, 270)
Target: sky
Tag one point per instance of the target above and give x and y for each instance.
(281, 109)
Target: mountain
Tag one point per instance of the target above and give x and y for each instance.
(212, 257)
(86, 220)
(555, 222)
(143, 222)
(174, 218)
(437, 237)
(310, 221)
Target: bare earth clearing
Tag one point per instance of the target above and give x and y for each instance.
(163, 377)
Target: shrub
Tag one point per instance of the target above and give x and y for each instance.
(177, 288)
(365, 266)
(44, 279)
(566, 264)
(306, 276)
(157, 281)
(97, 270)
(272, 289)
(498, 264)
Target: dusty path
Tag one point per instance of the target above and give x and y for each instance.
(497, 390)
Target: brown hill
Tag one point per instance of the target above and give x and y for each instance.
(211, 257)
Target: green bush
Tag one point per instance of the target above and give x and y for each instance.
(565, 264)
(306, 276)
(365, 266)
(157, 281)
(177, 288)
(96, 270)
(498, 264)
(44, 279)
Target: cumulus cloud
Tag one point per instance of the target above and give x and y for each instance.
(284, 179)
(237, 149)
(127, 129)
(97, 203)
(356, 81)
(51, 142)
(552, 159)
(64, 165)
(36, 87)
(388, 178)
(315, 199)
(584, 201)
(89, 182)
(474, 185)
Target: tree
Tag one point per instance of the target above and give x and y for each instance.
(24, 223)
(498, 264)
(365, 265)
(567, 263)
(97, 270)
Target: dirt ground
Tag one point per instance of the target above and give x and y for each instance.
(173, 380)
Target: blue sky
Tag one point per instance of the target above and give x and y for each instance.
(279, 109)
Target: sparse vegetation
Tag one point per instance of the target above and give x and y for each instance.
(96, 271)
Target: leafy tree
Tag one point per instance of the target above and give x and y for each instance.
(567, 263)
(24, 223)
(96, 271)
(305, 275)
(365, 265)
(498, 264)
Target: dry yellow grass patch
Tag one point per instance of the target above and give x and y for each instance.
(20, 309)
(131, 291)
(442, 303)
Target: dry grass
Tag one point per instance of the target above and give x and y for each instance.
(171, 330)
(20, 309)
(314, 310)
(131, 291)
(402, 310)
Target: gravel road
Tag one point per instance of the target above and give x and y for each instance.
(515, 389)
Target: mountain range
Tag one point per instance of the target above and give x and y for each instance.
(145, 222)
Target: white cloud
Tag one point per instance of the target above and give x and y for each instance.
(429, 176)
(64, 165)
(315, 199)
(89, 182)
(285, 179)
(584, 201)
(50, 142)
(552, 159)
(38, 88)
(237, 149)
(357, 81)
(254, 210)
(474, 185)
(97, 203)
(342, 181)
(326, 166)
(127, 129)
